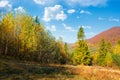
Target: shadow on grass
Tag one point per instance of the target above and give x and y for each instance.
(23, 71)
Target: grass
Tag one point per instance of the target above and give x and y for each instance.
(18, 70)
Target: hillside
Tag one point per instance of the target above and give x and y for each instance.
(112, 35)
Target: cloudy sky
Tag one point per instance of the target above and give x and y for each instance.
(64, 17)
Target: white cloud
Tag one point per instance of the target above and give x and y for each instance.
(4, 3)
(85, 12)
(52, 28)
(44, 2)
(86, 27)
(20, 9)
(54, 13)
(70, 11)
(61, 16)
(73, 2)
(114, 19)
(68, 28)
(41, 2)
(87, 2)
(101, 18)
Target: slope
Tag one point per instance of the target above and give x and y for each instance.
(112, 35)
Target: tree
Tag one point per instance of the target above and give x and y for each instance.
(66, 52)
(109, 59)
(109, 47)
(116, 55)
(25, 38)
(62, 52)
(81, 54)
(102, 53)
(66, 48)
(117, 48)
(8, 34)
(105, 53)
(116, 58)
(81, 34)
(37, 20)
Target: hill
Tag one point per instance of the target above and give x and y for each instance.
(112, 35)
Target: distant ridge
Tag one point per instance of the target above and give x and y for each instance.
(112, 35)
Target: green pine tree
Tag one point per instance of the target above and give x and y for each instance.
(81, 54)
(102, 53)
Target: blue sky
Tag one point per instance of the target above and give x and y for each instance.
(64, 17)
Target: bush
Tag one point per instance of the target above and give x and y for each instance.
(82, 58)
(101, 61)
(116, 59)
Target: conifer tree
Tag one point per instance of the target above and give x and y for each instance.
(117, 48)
(81, 34)
(102, 53)
(81, 54)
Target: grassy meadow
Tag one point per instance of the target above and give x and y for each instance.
(11, 69)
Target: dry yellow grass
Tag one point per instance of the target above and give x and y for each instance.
(95, 72)
(13, 70)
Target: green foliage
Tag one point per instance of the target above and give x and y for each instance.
(105, 54)
(68, 54)
(118, 42)
(109, 59)
(117, 48)
(102, 53)
(66, 48)
(81, 34)
(116, 58)
(24, 37)
(109, 47)
(103, 48)
(62, 52)
(80, 58)
(81, 55)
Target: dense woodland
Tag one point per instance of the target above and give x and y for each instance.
(25, 38)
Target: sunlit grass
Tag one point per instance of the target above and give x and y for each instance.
(18, 70)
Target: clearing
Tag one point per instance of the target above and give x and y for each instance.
(19, 70)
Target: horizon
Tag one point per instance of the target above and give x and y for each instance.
(63, 18)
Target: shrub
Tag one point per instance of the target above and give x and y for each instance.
(116, 59)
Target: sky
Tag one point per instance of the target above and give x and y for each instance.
(64, 17)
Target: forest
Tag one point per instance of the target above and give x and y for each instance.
(24, 38)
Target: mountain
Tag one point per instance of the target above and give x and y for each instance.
(112, 35)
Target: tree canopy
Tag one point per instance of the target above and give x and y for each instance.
(24, 37)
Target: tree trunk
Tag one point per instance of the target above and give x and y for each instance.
(6, 49)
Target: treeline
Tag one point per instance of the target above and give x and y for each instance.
(106, 54)
(24, 37)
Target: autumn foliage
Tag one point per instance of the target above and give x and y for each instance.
(25, 38)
